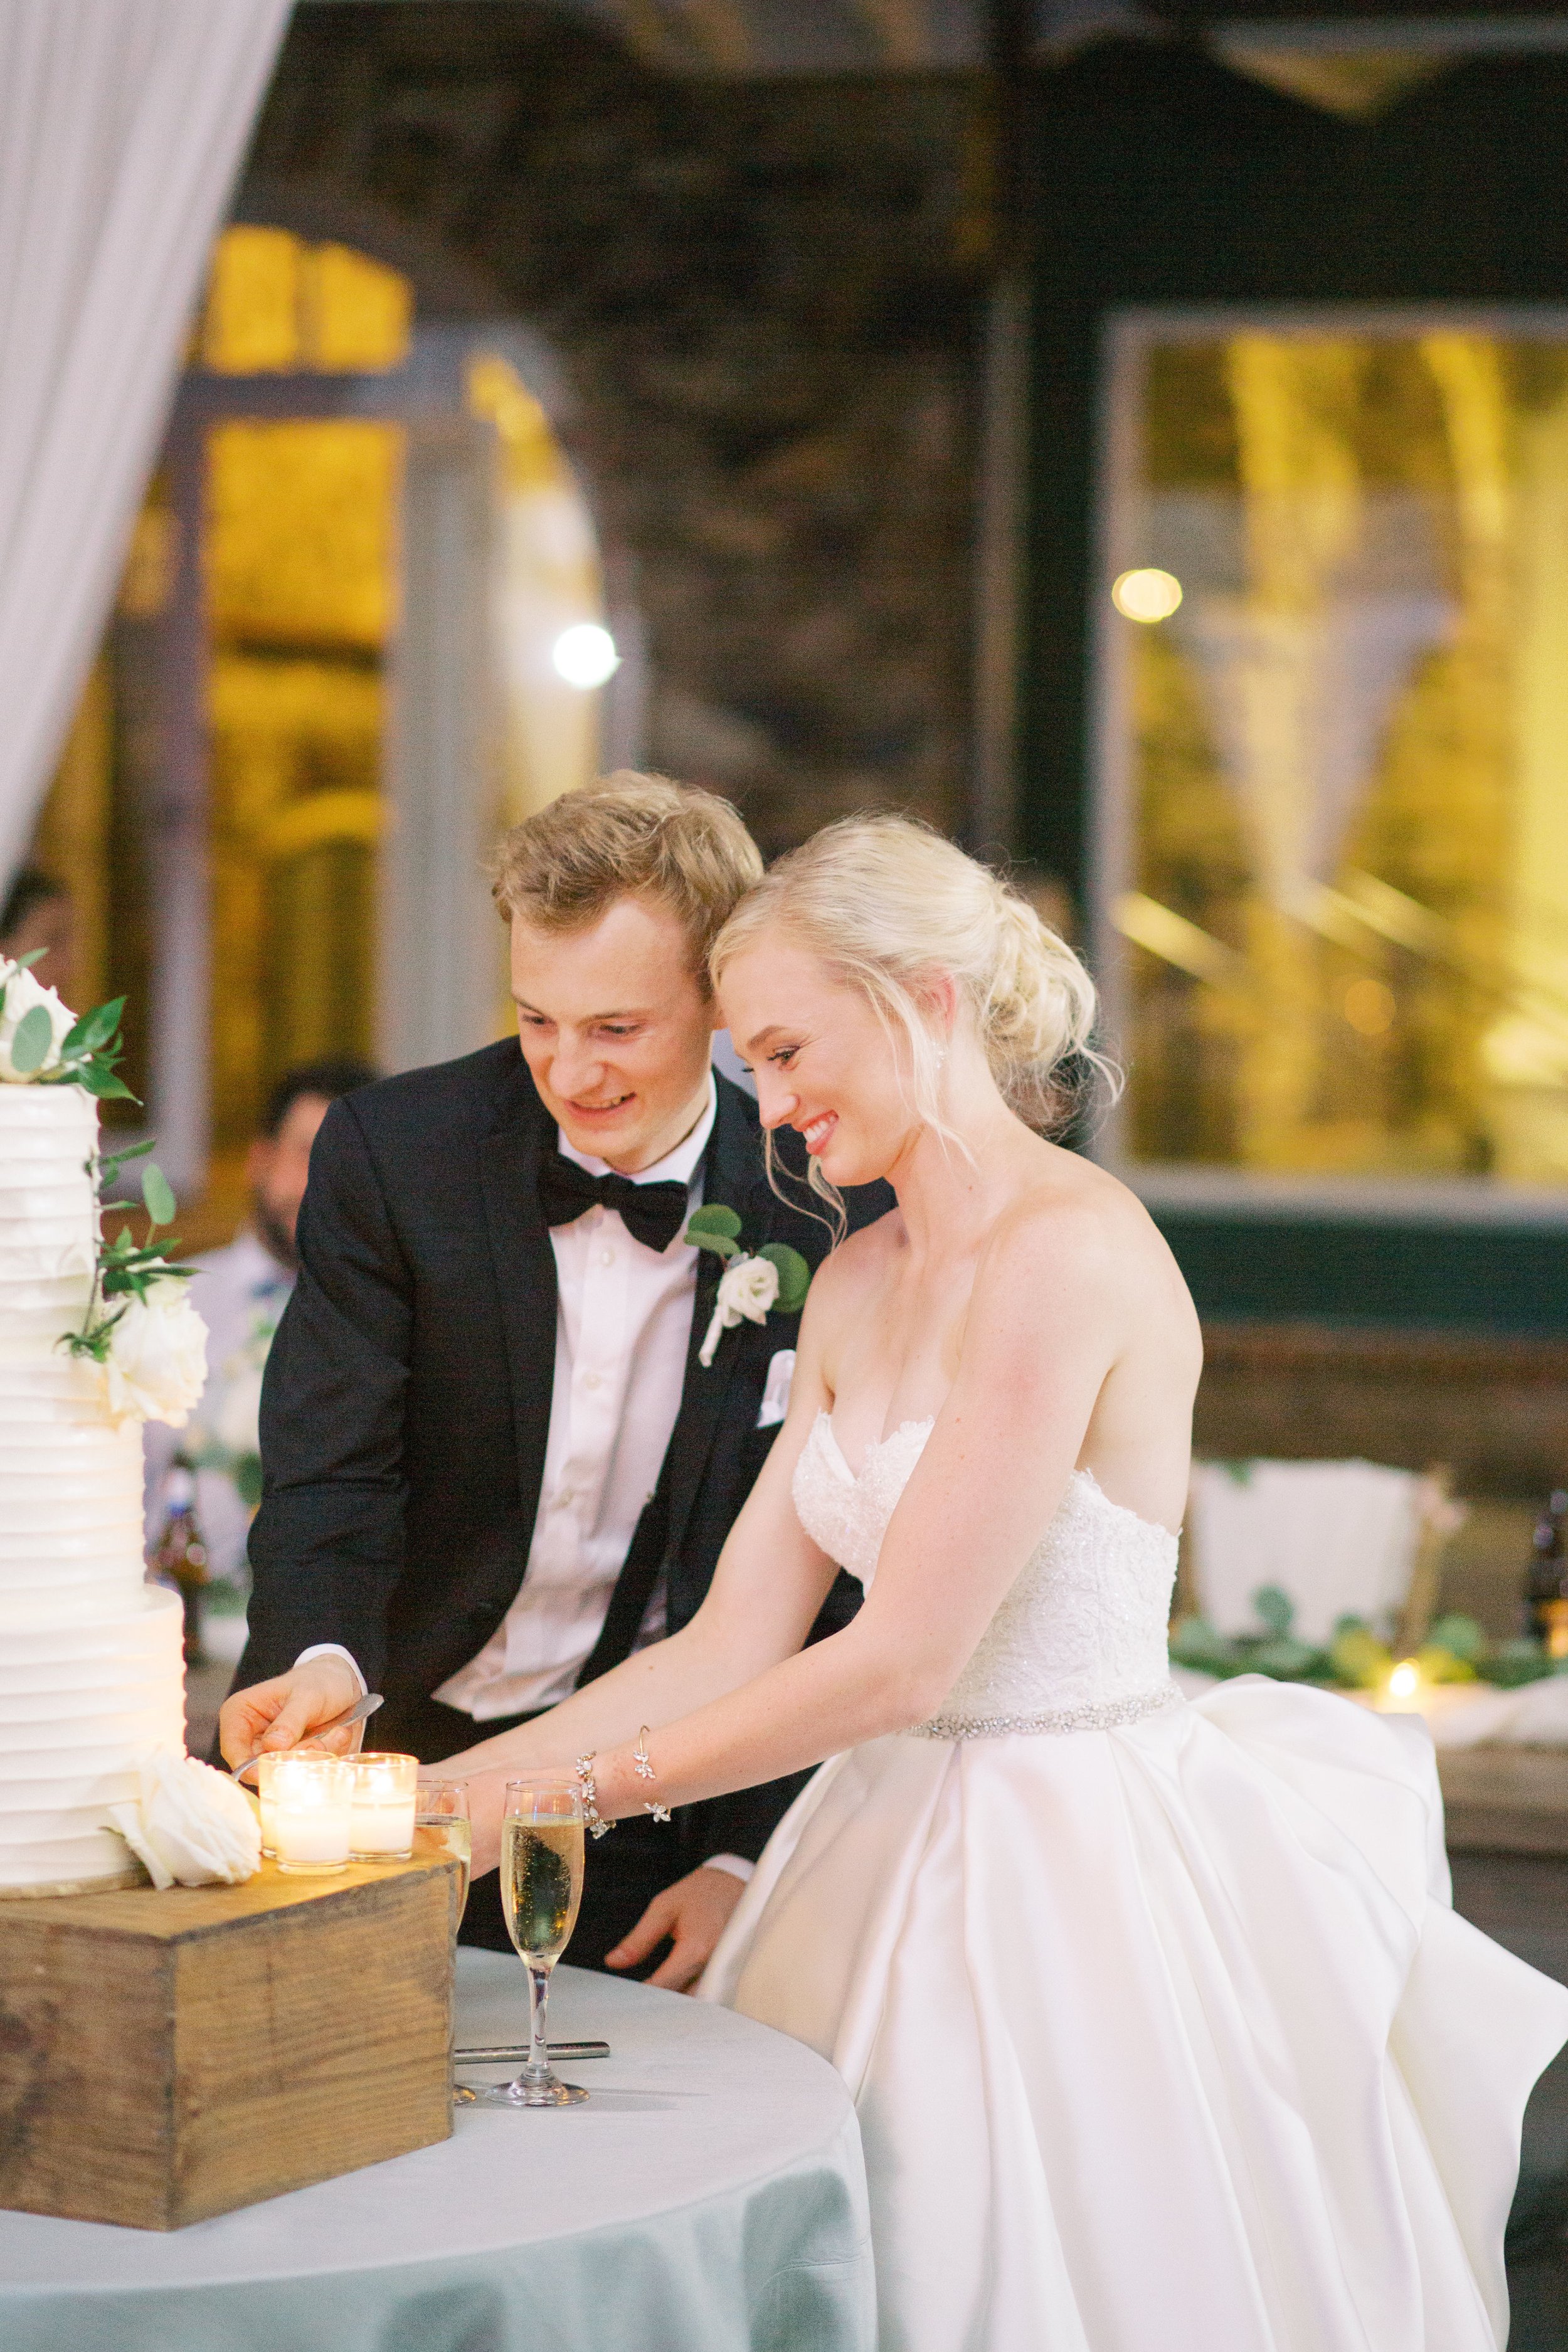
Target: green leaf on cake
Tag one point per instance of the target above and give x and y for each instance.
(33, 956)
(162, 1206)
(95, 1028)
(105, 1083)
(110, 1163)
(32, 1041)
(794, 1276)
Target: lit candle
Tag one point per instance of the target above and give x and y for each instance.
(382, 1824)
(1402, 1696)
(311, 1797)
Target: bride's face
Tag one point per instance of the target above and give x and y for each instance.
(823, 1061)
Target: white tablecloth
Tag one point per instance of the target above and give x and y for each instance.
(708, 2198)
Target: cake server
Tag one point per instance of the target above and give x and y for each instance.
(355, 1714)
(507, 2054)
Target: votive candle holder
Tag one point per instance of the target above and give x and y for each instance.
(311, 1799)
(382, 1819)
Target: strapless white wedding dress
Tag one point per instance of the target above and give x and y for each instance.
(1162, 2033)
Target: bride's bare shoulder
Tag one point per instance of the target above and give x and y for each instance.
(1081, 1232)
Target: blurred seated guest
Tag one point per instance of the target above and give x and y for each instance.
(38, 914)
(240, 1292)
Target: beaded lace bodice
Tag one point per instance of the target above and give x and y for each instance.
(1080, 1638)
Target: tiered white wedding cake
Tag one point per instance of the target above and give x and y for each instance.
(95, 1338)
(92, 1667)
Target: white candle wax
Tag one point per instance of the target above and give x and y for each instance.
(311, 1832)
(384, 1828)
(269, 1824)
(310, 1800)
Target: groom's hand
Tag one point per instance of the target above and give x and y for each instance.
(695, 1911)
(282, 1712)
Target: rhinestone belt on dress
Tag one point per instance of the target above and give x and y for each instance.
(1101, 1715)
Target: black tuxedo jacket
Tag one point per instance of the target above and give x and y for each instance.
(407, 1395)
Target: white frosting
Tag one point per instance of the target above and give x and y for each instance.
(92, 1670)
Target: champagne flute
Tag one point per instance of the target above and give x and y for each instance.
(442, 1824)
(541, 1889)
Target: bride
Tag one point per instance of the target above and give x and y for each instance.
(1159, 2024)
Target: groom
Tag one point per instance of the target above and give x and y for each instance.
(494, 1464)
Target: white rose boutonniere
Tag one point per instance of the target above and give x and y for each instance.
(156, 1361)
(190, 1826)
(753, 1285)
(44, 1022)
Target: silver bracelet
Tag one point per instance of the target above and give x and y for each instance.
(597, 1827)
(642, 1766)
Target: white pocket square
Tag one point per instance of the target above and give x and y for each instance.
(775, 1394)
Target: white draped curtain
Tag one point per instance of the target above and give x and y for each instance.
(123, 125)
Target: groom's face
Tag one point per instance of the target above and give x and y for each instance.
(615, 1029)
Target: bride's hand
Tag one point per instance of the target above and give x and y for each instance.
(285, 1710)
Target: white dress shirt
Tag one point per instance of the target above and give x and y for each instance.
(623, 1328)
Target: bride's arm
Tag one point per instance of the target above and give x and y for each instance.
(769, 1585)
(1044, 1328)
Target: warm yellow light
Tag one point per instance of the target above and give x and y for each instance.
(1405, 1679)
(1369, 1007)
(1146, 595)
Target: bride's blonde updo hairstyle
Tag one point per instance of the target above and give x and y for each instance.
(888, 904)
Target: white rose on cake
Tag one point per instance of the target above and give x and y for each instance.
(190, 1826)
(23, 995)
(156, 1364)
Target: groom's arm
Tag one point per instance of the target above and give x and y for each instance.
(327, 1547)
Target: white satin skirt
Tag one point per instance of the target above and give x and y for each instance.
(1163, 2039)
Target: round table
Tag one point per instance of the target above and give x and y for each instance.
(709, 2197)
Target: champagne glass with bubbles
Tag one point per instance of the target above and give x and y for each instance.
(541, 1890)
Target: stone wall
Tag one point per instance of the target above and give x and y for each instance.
(765, 299)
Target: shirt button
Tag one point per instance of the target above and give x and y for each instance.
(590, 1380)
(607, 1257)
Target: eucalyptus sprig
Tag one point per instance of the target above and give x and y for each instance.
(124, 1269)
(718, 1228)
(89, 1051)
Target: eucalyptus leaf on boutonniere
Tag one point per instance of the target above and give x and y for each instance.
(754, 1283)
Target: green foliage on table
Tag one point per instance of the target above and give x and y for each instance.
(1456, 1650)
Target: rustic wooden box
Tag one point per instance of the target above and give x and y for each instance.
(165, 2057)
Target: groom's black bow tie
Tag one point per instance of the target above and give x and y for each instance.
(652, 1214)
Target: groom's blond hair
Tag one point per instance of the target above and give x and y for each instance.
(628, 835)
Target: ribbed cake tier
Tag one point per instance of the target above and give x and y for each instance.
(78, 1704)
(70, 1496)
(48, 1235)
(92, 1664)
